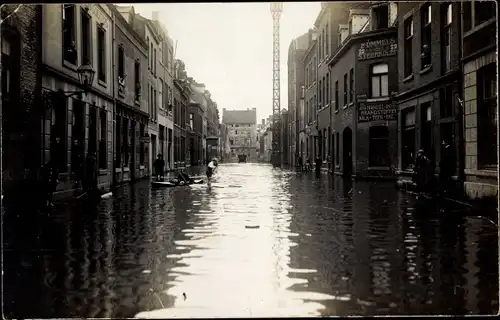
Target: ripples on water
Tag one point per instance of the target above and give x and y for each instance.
(258, 242)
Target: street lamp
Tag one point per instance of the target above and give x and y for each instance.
(86, 77)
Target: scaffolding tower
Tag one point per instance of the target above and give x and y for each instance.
(276, 10)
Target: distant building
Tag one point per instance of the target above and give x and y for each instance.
(242, 131)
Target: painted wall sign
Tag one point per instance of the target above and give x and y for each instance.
(373, 49)
(385, 111)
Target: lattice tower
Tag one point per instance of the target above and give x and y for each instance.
(276, 10)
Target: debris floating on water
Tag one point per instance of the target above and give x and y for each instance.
(252, 227)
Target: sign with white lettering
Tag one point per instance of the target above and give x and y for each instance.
(373, 49)
(385, 111)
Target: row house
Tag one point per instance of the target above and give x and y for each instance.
(164, 66)
(363, 77)
(429, 84)
(182, 93)
(284, 138)
(22, 109)
(131, 112)
(78, 120)
(296, 52)
(195, 147)
(212, 139)
(309, 131)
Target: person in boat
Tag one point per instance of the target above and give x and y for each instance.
(159, 165)
(182, 176)
(211, 167)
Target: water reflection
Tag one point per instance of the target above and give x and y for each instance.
(258, 242)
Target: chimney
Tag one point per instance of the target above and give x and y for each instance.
(254, 109)
(263, 122)
(156, 15)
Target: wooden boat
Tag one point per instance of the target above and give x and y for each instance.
(170, 184)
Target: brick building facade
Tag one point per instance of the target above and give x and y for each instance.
(364, 76)
(429, 84)
(131, 70)
(20, 95)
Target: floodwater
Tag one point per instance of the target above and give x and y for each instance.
(258, 242)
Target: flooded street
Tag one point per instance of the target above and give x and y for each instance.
(258, 242)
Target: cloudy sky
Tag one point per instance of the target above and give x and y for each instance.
(228, 46)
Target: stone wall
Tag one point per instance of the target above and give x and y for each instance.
(478, 183)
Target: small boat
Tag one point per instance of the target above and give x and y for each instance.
(170, 184)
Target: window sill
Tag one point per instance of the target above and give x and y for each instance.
(141, 167)
(350, 104)
(70, 65)
(379, 99)
(103, 172)
(137, 103)
(426, 70)
(102, 83)
(345, 106)
(337, 166)
(408, 79)
(126, 169)
(406, 171)
(336, 110)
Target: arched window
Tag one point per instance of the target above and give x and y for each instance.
(379, 146)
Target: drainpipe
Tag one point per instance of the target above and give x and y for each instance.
(113, 166)
(461, 110)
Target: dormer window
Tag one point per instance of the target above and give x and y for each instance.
(381, 17)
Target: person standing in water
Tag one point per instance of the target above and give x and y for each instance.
(212, 165)
(159, 166)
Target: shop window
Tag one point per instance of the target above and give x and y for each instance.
(379, 146)
(86, 24)
(101, 54)
(408, 137)
(125, 133)
(69, 36)
(103, 153)
(487, 116)
(446, 18)
(426, 34)
(380, 81)
(408, 47)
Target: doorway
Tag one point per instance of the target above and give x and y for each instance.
(347, 152)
